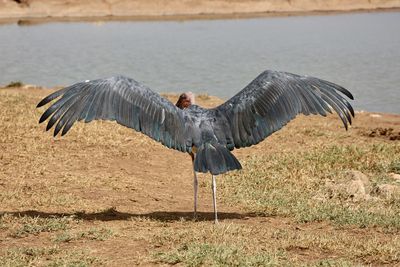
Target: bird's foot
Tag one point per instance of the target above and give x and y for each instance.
(195, 216)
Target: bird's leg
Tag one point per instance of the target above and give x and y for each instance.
(214, 192)
(195, 185)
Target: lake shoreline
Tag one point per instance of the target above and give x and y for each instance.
(211, 100)
(41, 11)
(215, 56)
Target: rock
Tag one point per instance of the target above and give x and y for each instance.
(356, 190)
(357, 175)
(356, 187)
(395, 176)
(387, 190)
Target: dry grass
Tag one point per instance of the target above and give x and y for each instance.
(45, 256)
(297, 184)
(105, 195)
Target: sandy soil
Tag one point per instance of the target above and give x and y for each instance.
(178, 9)
(106, 176)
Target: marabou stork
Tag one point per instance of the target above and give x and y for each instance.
(264, 106)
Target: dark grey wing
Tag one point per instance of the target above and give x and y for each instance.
(121, 99)
(274, 98)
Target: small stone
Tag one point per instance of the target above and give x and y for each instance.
(355, 187)
(375, 115)
(395, 176)
(387, 190)
(356, 190)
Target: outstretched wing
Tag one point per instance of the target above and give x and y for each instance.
(121, 99)
(274, 98)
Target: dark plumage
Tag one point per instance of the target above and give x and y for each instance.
(264, 106)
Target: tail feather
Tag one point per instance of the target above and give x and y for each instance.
(216, 159)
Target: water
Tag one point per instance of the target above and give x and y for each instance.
(358, 51)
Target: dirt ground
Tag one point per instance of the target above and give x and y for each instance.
(106, 195)
(24, 11)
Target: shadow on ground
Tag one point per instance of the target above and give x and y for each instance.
(113, 215)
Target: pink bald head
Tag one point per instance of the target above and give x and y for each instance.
(185, 100)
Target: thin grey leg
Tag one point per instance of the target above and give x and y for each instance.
(195, 185)
(214, 192)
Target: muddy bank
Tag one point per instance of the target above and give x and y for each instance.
(14, 10)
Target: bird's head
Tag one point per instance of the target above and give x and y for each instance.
(185, 100)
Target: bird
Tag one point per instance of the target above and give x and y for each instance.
(263, 107)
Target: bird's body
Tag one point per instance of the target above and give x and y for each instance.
(211, 140)
(209, 135)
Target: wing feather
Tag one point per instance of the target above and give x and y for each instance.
(274, 98)
(124, 100)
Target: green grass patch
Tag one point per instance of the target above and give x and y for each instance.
(295, 185)
(21, 226)
(48, 256)
(202, 244)
(266, 244)
(206, 254)
(15, 84)
(333, 263)
(395, 167)
(99, 234)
